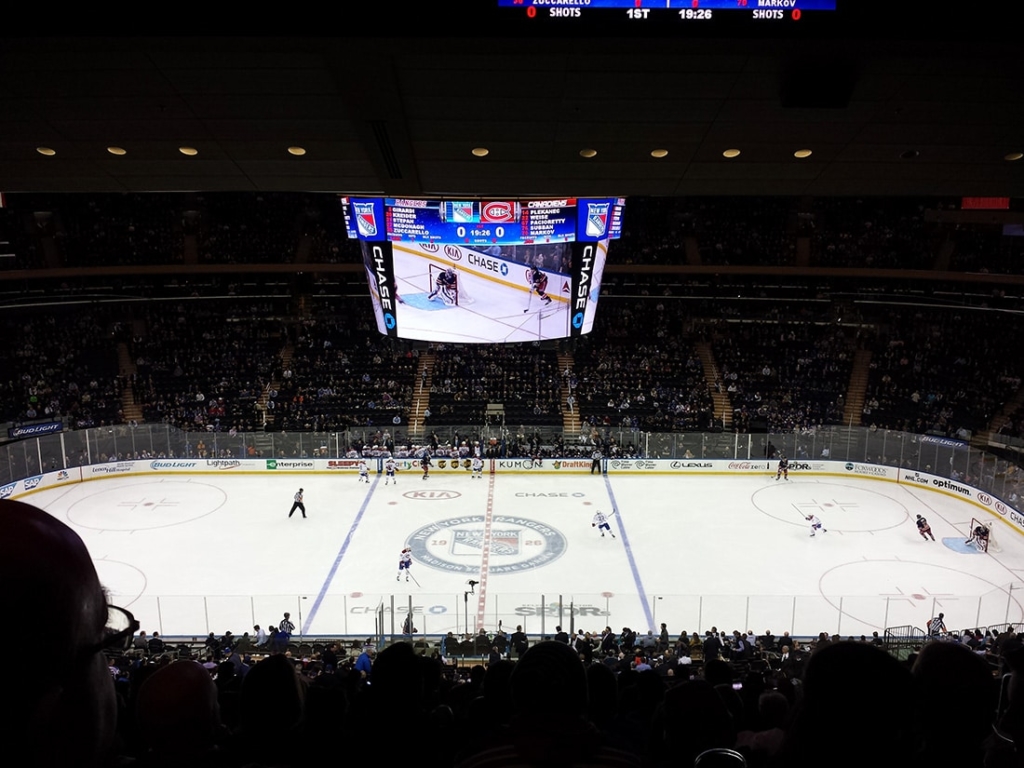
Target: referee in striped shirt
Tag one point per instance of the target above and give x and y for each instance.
(298, 505)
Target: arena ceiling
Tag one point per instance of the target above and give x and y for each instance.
(398, 112)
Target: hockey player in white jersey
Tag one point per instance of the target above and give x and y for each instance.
(404, 564)
(601, 523)
(390, 467)
(815, 524)
(364, 471)
(478, 467)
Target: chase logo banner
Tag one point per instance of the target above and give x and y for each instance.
(584, 261)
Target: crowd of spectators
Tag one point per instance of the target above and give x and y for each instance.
(19, 249)
(637, 371)
(204, 368)
(883, 233)
(344, 374)
(782, 375)
(118, 230)
(61, 366)
(733, 231)
(939, 370)
(522, 378)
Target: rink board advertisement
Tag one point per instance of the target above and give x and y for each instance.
(979, 498)
(442, 466)
(38, 482)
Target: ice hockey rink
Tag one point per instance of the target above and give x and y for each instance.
(497, 308)
(191, 554)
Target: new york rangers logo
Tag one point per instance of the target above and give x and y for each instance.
(597, 219)
(366, 219)
(502, 542)
(462, 213)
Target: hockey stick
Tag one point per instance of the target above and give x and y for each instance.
(408, 571)
(529, 301)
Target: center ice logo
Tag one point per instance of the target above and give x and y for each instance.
(513, 544)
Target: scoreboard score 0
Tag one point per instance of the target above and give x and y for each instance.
(484, 222)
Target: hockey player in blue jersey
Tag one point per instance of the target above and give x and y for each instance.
(783, 470)
(444, 284)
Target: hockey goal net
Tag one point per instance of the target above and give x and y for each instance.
(458, 291)
(986, 543)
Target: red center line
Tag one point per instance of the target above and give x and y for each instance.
(481, 600)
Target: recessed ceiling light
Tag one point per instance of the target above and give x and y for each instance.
(730, 153)
(117, 151)
(1013, 156)
(46, 151)
(659, 153)
(190, 151)
(802, 153)
(481, 151)
(588, 153)
(297, 151)
(909, 154)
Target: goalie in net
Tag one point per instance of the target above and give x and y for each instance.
(448, 285)
(981, 536)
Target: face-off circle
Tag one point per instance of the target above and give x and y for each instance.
(516, 544)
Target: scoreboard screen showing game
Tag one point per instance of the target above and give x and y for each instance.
(484, 271)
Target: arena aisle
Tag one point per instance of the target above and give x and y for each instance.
(216, 552)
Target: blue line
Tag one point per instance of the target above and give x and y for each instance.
(629, 554)
(337, 561)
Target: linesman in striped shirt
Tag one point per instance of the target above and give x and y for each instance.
(298, 505)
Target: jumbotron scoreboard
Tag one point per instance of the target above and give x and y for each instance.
(484, 222)
(494, 245)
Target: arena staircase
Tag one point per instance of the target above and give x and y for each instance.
(421, 396)
(990, 435)
(692, 251)
(126, 369)
(857, 390)
(570, 416)
(723, 404)
(270, 417)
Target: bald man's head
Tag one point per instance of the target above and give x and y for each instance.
(66, 705)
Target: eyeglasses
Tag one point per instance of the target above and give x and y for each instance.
(121, 626)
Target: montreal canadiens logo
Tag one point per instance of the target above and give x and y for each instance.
(497, 212)
(513, 544)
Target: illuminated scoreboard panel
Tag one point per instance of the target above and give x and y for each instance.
(720, 5)
(686, 10)
(485, 222)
